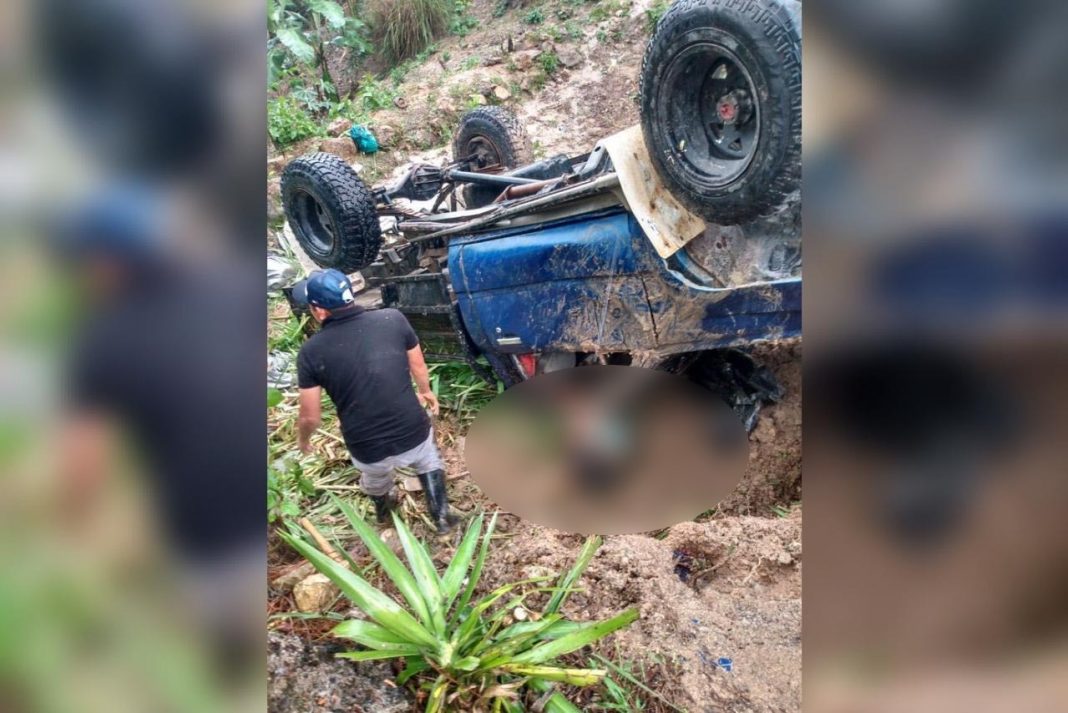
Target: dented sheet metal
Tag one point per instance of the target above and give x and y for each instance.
(667, 223)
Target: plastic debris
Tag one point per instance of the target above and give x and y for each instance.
(281, 272)
(281, 370)
(725, 663)
(365, 141)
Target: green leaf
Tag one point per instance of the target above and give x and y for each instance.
(468, 663)
(330, 11)
(370, 635)
(593, 542)
(374, 603)
(476, 570)
(390, 563)
(274, 397)
(416, 664)
(376, 655)
(425, 574)
(587, 634)
(436, 701)
(474, 618)
(556, 703)
(293, 41)
(513, 639)
(461, 561)
(571, 676)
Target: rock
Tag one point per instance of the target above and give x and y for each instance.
(500, 93)
(342, 147)
(446, 106)
(400, 102)
(314, 593)
(478, 99)
(274, 200)
(493, 58)
(524, 60)
(569, 57)
(389, 536)
(286, 582)
(307, 678)
(339, 127)
(384, 133)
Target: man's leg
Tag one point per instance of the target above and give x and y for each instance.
(376, 479)
(428, 465)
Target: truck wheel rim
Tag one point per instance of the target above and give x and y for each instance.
(713, 112)
(314, 223)
(485, 152)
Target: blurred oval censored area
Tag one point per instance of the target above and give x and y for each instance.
(607, 450)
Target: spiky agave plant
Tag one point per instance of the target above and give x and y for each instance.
(477, 656)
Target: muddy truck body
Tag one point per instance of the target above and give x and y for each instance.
(674, 244)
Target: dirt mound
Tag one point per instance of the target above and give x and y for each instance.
(306, 678)
(723, 589)
(773, 479)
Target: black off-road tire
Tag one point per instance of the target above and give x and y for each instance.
(734, 61)
(498, 137)
(331, 211)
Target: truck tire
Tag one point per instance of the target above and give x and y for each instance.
(331, 212)
(494, 136)
(721, 105)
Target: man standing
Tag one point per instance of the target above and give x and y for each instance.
(366, 360)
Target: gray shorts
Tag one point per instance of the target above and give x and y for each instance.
(377, 478)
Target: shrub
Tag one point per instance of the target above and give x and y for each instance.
(549, 62)
(534, 17)
(473, 653)
(654, 12)
(374, 95)
(288, 122)
(404, 28)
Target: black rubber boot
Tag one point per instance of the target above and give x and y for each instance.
(384, 504)
(437, 501)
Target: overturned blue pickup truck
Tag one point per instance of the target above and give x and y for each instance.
(670, 245)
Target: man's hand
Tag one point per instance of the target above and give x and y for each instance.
(310, 417)
(430, 401)
(421, 376)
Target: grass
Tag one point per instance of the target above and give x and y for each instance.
(624, 689)
(654, 12)
(549, 62)
(404, 28)
(288, 122)
(463, 652)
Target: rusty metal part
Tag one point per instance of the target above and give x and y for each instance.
(667, 223)
(442, 196)
(522, 191)
(601, 184)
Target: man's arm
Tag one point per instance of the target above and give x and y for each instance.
(421, 375)
(84, 461)
(311, 415)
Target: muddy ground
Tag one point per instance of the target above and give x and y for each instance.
(726, 586)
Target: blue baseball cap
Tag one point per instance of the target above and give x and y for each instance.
(329, 289)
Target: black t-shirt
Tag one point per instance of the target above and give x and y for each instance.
(171, 361)
(361, 358)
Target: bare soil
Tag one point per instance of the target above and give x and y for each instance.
(726, 586)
